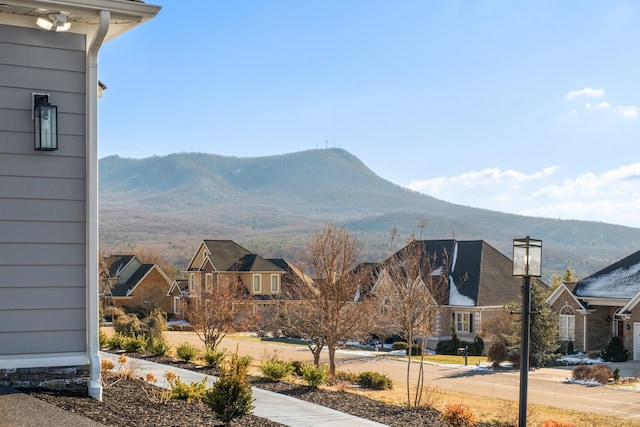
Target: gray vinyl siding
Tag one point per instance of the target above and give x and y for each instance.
(42, 196)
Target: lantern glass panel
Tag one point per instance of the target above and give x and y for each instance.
(46, 127)
(527, 257)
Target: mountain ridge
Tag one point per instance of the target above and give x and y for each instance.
(270, 205)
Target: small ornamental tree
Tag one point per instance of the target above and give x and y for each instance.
(215, 313)
(231, 396)
(410, 289)
(330, 308)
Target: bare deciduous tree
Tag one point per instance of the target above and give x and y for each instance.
(148, 257)
(303, 318)
(213, 314)
(330, 310)
(410, 290)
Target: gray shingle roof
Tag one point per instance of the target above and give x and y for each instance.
(121, 289)
(479, 274)
(117, 262)
(227, 255)
(619, 280)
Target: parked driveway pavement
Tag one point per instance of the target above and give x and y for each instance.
(21, 410)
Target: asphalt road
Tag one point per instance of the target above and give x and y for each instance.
(546, 386)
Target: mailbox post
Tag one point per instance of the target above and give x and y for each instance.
(464, 352)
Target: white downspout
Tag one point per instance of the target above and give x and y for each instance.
(93, 326)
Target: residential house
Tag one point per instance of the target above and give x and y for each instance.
(135, 286)
(475, 283)
(291, 280)
(218, 260)
(179, 289)
(49, 187)
(600, 306)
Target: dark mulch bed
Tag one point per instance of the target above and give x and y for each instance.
(126, 404)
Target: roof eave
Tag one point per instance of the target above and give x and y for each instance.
(124, 15)
(596, 301)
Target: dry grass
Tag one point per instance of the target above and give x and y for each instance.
(492, 410)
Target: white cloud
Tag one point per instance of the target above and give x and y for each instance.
(628, 111)
(484, 178)
(600, 106)
(587, 91)
(613, 196)
(624, 111)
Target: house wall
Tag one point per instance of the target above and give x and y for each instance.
(629, 337)
(566, 299)
(444, 322)
(247, 279)
(42, 204)
(150, 294)
(194, 281)
(599, 331)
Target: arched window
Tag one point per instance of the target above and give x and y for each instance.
(567, 323)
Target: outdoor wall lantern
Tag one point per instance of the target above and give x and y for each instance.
(54, 22)
(527, 263)
(609, 319)
(628, 326)
(45, 123)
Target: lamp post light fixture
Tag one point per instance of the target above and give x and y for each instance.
(45, 123)
(527, 262)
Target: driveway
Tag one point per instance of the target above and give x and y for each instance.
(545, 386)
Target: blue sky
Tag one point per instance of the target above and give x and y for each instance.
(523, 107)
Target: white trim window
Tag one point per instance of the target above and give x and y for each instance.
(463, 321)
(208, 279)
(192, 283)
(176, 305)
(275, 283)
(567, 327)
(257, 283)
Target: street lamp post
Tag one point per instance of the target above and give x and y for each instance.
(527, 261)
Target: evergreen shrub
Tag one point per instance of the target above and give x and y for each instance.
(186, 352)
(399, 345)
(231, 395)
(134, 344)
(375, 380)
(314, 375)
(276, 369)
(615, 351)
(214, 358)
(159, 347)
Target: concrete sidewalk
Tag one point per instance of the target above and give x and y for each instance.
(273, 406)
